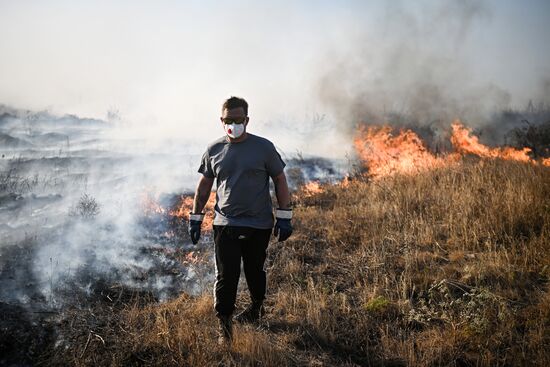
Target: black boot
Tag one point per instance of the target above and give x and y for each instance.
(252, 314)
(225, 330)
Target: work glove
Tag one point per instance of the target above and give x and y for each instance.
(195, 222)
(283, 227)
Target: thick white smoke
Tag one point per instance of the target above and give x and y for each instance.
(73, 209)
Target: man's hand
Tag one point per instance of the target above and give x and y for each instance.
(201, 197)
(195, 222)
(283, 227)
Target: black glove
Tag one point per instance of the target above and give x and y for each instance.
(195, 222)
(283, 227)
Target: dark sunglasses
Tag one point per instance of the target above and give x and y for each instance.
(233, 120)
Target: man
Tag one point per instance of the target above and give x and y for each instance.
(241, 164)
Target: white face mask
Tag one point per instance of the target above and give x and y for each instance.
(234, 130)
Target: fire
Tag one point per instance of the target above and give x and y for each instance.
(151, 206)
(384, 153)
(311, 188)
(185, 206)
(346, 181)
(465, 143)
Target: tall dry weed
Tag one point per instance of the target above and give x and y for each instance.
(448, 267)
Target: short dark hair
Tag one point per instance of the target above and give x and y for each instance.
(235, 102)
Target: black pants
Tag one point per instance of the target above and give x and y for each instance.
(232, 244)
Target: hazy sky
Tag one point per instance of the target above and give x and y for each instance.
(168, 65)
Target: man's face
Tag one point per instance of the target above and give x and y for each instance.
(234, 116)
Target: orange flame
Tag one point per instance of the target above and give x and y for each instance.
(346, 182)
(385, 154)
(311, 188)
(465, 143)
(151, 207)
(183, 208)
(186, 205)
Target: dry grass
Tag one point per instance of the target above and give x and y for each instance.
(445, 268)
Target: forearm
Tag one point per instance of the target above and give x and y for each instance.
(202, 194)
(282, 192)
(200, 201)
(283, 226)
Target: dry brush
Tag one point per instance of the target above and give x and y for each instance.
(449, 267)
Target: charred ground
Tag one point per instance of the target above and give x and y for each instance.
(447, 267)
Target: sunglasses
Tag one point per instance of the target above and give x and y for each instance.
(233, 120)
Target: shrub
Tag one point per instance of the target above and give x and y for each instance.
(87, 207)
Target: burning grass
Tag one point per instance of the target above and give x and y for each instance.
(180, 211)
(385, 152)
(449, 267)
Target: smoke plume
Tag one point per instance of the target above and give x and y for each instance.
(413, 69)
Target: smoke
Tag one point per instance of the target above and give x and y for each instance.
(416, 63)
(106, 250)
(160, 74)
(164, 70)
(544, 89)
(74, 217)
(84, 206)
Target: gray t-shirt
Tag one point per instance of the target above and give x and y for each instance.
(242, 172)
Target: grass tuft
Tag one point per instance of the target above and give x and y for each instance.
(450, 267)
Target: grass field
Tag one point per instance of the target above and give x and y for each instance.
(445, 268)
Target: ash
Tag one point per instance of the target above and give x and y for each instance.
(91, 223)
(75, 232)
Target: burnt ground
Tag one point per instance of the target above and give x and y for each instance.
(31, 337)
(46, 163)
(35, 325)
(24, 335)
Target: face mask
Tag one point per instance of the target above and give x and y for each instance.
(234, 130)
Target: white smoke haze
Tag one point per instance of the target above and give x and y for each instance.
(78, 207)
(167, 67)
(145, 82)
(52, 247)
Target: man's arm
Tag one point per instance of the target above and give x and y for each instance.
(202, 193)
(283, 227)
(281, 190)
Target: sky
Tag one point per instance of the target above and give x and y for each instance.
(166, 66)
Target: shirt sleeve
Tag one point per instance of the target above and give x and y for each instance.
(205, 167)
(274, 163)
